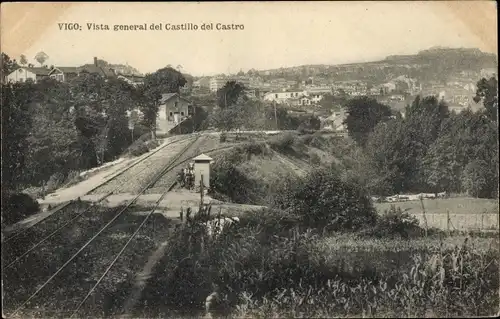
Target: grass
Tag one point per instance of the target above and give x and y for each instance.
(464, 213)
(63, 294)
(440, 206)
(267, 267)
(290, 273)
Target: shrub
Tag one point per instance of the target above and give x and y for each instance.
(306, 139)
(323, 200)
(314, 159)
(138, 149)
(55, 181)
(73, 178)
(226, 179)
(282, 142)
(18, 206)
(222, 137)
(396, 223)
(253, 148)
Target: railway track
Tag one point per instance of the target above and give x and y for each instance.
(78, 236)
(117, 227)
(55, 216)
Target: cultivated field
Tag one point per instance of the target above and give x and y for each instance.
(464, 213)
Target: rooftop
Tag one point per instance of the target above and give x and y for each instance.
(202, 157)
(37, 71)
(66, 69)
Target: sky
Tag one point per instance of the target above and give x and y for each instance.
(275, 34)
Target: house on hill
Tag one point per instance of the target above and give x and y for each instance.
(64, 74)
(97, 69)
(173, 109)
(23, 74)
(334, 122)
(131, 78)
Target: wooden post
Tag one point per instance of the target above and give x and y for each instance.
(201, 189)
(482, 220)
(448, 222)
(423, 212)
(275, 116)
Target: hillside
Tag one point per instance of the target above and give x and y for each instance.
(434, 64)
(249, 173)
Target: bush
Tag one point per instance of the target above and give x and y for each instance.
(396, 223)
(314, 159)
(253, 148)
(227, 181)
(73, 178)
(55, 181)
(17, 207)
(138, 149)
(282, 142)
(222, 137)
(323, 200)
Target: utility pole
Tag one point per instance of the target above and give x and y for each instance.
(193, 116)
(275, 116)
(179, 112)
(202, 191)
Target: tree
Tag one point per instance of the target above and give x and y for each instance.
(16, 125)
(463, 139)
(41, 57)
(101, 118)
(230, 118)
(386, 150)
(364, 114)
(166, 80)
(475, 179)
(331, 102)
(323, 200)
(22, 60)
(487, 91)
(441, 165)
(230, 93)
(8, 66)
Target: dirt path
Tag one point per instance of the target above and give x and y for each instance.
(143, 277)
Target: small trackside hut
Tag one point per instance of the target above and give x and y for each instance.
(202, 171)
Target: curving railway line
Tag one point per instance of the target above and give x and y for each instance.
(31, 282)
(63, 210)
(83, 242)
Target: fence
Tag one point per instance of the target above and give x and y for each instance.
(459, 221)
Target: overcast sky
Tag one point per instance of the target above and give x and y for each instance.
(275, 34)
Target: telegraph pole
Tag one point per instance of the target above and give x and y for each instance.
(275, 116)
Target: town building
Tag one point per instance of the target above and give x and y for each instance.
(131, 79)
(216, 83)
(24, 74)
(283, 96)
(334, 122)
(174, 108)
(64, 74)
(489, 72)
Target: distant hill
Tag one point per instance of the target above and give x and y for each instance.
(461, 58)
(434, 64)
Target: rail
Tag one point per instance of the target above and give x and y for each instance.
(152, 182)
(61, 207)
